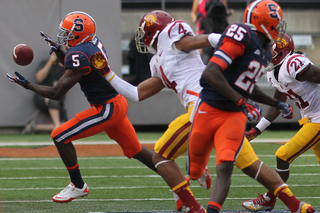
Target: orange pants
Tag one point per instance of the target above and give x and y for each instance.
(214, 128)
(110, 118)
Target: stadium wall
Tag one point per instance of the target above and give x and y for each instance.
(23, 20)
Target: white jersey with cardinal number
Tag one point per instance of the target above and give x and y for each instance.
(305, 94)
(178, 70)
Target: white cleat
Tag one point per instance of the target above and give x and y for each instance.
(71, 192)
(205, 179)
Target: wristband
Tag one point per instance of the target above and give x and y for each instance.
(110, 75)
(213, 39)
(263, 124)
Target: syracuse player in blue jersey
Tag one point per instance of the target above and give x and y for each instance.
(229, 80)
(108, 112)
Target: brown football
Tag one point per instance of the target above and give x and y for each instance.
(22, 54)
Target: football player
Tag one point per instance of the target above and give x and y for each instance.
(296, 78)
(108, 112)
(228, 81)
(177, 65)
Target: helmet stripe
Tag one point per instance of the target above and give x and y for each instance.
(250, 9)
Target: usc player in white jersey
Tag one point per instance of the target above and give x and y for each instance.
(296, 78)
(177, 65)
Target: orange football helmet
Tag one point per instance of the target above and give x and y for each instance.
(266, 17)
(75, 28)
(149, 29)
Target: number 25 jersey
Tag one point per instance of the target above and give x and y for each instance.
(243, 61)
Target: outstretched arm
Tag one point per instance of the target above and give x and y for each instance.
(189, 42)
(144, 90)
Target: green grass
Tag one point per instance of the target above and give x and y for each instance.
(141, 135)
(118, 184)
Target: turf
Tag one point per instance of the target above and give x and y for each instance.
(121, 185)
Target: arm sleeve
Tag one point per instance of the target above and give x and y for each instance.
(213, 38)
(124, 88)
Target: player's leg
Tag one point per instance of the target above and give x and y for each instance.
(171, 145)
(249, 163)
(86, 123)
(302, 141)
(228, 141)
(125, 135)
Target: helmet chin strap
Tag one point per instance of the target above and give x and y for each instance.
(267, 32)
(151, 50)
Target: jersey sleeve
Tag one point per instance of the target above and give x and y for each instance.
(232, 45)
(177, 30)
(76, 60)
(153, 68)
(296, 65)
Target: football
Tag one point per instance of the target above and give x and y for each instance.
(22, 54)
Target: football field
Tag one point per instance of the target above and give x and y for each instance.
(118, 184)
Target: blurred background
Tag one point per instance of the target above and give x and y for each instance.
(117, 20)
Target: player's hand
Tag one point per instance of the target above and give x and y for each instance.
(54, 47)
(100, 63)
(285, 109)
(19, 80)
(253, 133)
(250, 108)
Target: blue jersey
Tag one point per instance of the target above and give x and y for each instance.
(242, 72)
(95, 87)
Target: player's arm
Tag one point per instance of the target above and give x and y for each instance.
(219, 62)
(259, 96)
(271, 114)
(213, 75)
(189, 42)
(64, 84)
(311, 74)
(144, 90)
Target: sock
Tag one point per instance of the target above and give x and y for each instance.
(286, 196)
(186, 196)
(75, 176)
(213, 207)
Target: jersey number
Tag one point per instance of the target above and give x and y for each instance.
(76, 61)
(180, 30)
(171, 85)
(296, 63)
(301, 104)
(236, 32)
(248, 79)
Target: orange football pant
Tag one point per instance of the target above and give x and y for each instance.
(214, 128)
(110, 118)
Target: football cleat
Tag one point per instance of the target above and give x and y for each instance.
(71, 192)
(201, 210)
(205, 179)
(305, 208)
(261, 203)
